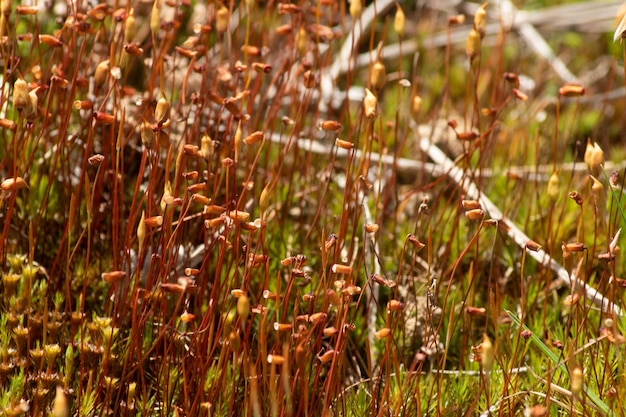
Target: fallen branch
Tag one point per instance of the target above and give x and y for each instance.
(511, 229)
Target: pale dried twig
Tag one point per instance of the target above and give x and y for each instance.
(519, 237)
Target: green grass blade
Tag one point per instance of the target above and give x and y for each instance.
(602, 406)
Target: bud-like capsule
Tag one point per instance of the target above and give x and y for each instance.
(356, 8)
(155, 18)
(20, 95)
(473, 44)
(11, 184)
(147, 135)
(103, 118)
(238, 215)
(413, 240)
(282, 327)
(512, 78)
(475, 311)
(572, 90)
(329, 354)
(519, 95)
(371, 228)
(301, 41)
(288, 8)
(130, 27)
(141, 230)
(370, 104)
(399, 21)
(458, 19)
(8, 124)
(154, 221)
(333, 297)
(32, 107)
(553, 186)
(99, 12)
(235, 340)
(20, 9)
(330, 125)
(95, 160)
(576, 381)
(167, 195)
(531, 245)
(275, 359)
(113, 277)
(487, 356)
(599, 197)
(318, 317)
(480, 20)
(243, 307)
(309, 79)
(284, 30)
(50, 41)
(101, 74)
(416, 106)
(578, 199)
(264, 199)
(344, 144)
(261, 67)
(594, 157)
(161, 111)
(476, 214)
(253, 138)
(132, 49)
(83, 105)
(383, 333)
(613, 179)
(207, 147)
(573, 247)
(7, 5)
(378, 76)
(394, 305)
(470, 204)
(201, 199)
(221, 20)
(60, 406)
(341, 269)
(251, 50)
